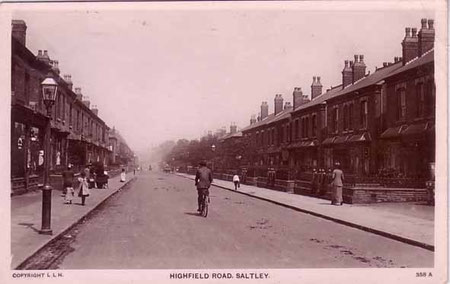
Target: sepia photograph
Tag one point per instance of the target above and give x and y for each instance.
(215, 142)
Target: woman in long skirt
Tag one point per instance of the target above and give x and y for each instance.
(123, 176)
(338, 183)
(83, 188)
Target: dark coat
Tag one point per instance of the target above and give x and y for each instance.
(203, 178)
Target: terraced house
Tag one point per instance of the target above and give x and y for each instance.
(379, 126)
(78, 135)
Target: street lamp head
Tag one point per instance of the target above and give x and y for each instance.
(213, 147)
(49, 91)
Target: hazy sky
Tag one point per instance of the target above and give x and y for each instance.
(169, 74)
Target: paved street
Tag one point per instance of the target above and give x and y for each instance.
(153, 224)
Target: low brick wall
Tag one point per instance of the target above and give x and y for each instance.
(358, 195)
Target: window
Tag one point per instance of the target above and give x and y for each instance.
(350, 116)
(420, 100)
(314, 126)
(345, 117)
(401, 104)
(335, 119)
(430, 97)
(363, 114)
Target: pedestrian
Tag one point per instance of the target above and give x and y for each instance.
(123, 176)
(83, 187)
(236, 181)
(203, 180)
(314, 181)
(338, 182)
(320, 180)
(68, 176)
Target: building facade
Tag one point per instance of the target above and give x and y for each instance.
(373, 124)
(78, 135)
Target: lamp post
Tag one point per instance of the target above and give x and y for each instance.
(213, 149)
(49, 91)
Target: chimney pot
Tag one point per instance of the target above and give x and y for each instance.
(385, 64)
(424, 23)
(361, 58)
(314, 79)
(318, 79)
(414, 32)
(356, 58)
(407, 32)
(39, 53)
(346, 63)
(430, 24)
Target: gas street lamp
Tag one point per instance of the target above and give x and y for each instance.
(49, 91)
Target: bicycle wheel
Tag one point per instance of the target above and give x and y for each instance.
(205, 206)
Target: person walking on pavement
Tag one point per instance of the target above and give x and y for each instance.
(83, 187)
(68, 176)
(338, 182)
(314, 181)
(320, 180)
(236, 181)
(123, 176)
(203, 180)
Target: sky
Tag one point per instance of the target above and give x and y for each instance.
(166, 74)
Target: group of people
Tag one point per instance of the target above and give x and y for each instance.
(86, 180)
(82, 188)
(322, 180)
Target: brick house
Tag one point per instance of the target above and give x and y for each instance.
(78, 135)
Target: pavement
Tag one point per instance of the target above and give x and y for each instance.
(26, 218)
(410, 223)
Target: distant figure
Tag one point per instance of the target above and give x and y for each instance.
(123, 176)
(203, 180)
(236, 182)
(314, 181)
(68, 176)
(83, 187)
(338, 183)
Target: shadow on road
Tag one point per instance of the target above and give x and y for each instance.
(193, 214)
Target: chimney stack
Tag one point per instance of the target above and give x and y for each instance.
(55, 66)
(68, 79)
(359, 68)
(259, 117)
(79, 94)
(297, 97)
(316, 88)
(233, 128)
(19, 31)
(410, 46)
(287, 105)
(94, 109)
(278, 103)
(85, 101)
(252, 119)
(264, 110)
(426, 36)
(347, 74)
(45, 58)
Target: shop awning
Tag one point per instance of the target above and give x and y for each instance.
(364, 137)
(393, 132)
(341, 139)
(415, 129)
(328, 141)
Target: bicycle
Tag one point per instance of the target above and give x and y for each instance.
(204, 203)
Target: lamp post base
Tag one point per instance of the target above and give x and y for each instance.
(46, 232)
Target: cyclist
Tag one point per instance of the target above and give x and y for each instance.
(203, 180)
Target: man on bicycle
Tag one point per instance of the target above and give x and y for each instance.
(203, 180)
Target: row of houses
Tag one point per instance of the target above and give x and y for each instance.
(78, 135)
(379, 123)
